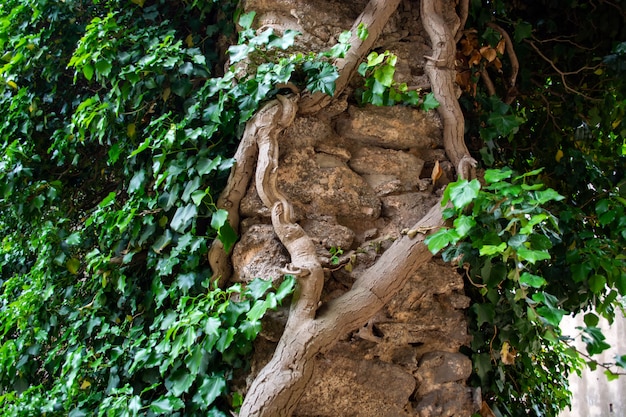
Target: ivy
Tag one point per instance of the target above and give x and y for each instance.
(114, 146)
(381, 89)
(505, 239)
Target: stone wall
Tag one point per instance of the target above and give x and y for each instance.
(592, 394)
(358, 178)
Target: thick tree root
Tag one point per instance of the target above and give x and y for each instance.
(440, 70)
(280, 384)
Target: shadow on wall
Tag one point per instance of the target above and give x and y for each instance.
(593, 395)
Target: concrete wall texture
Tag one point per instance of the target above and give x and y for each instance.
(593, 395)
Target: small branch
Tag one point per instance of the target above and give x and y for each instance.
(463, 13)
(606, 366)
(564, 39)
(563, 74)
(510, 50)
(491, 89)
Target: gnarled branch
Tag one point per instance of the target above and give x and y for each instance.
(441, 72)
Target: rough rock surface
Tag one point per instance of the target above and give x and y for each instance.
(357, 176)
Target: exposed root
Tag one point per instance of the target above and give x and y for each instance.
(441, 72)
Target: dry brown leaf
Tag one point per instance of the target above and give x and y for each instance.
(498, 64)
(507, 355)
(437, 171)
(475, 58)
(485, 411)
(466, 47)
(489, 53)
(463, 80)
(500, 46)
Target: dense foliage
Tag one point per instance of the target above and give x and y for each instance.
(117, 126)
(548, 243)
(114, 137)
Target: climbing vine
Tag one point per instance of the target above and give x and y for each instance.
(119, 122)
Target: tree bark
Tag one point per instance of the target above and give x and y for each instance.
(441, 72)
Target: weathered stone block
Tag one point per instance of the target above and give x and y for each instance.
(395, 127)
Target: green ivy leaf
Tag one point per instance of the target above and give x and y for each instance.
(257, 288)
(551, 315)
(544, 196)
(482, 366)
(180, 382)
(183, 217)
(73, 239)
(324, 80)
(206, 165)
(362, 32)
(440, 239)
(234, 310)
(194, 360)
(595, 340)
(166, 405)
(463, 224)
(461, 193)
(591, 320)
(505, 124)
(485, 313)
(286, 41)
(532, 256)
(250, 329)
(497, 175)
(225, 233)
(490, 250)
(580, 271)
(285, 288)
(430, 102)
(245, 20)
(137, 181)
(226, 338)
(104, 68)
(384, 75)
(597, 283)
(531, 280)
(523, 30)
(190, 187)
(239, 52)
(110, 198)
(88, 71)
(210, 389)
(257, 311)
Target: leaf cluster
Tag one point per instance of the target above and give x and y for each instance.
(566, 117)
(115, 138)
(507, 242)
(381, 89)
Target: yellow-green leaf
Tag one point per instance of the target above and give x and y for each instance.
(72, 265)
